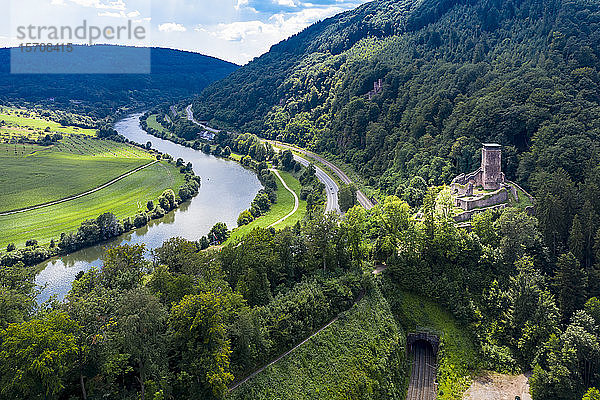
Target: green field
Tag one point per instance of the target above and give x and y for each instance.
(284, 205)
(153, 123)
(34, 174)
(16, 123)
(458, 356)
(360, 356)
(123, 198)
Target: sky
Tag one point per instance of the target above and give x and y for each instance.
(233, 30)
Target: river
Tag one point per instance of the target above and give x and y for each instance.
(227, 189)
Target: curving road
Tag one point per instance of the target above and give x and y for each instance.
(190, 117)
(331, 187)
(360, 196)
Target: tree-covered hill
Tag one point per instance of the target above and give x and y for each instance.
(455, 73)
(174, 75)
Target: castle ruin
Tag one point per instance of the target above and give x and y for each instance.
(485, 188)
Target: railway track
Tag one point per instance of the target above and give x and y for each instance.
(422, 379)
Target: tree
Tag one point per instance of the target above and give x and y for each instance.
(150, 205)
(347, 197)
(245, 218)
(592, 394)
(123, 266)
(353, 227)
(140, 332)
(570, 285)
(218, 232)
(226, 152)
(177, 253)
(201, 347)
(533, 315)
(10, 247)
(36, 356)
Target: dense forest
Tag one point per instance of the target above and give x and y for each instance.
(174, 75)
(192, 322)
(522, 73)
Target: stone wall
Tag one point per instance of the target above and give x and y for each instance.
(467, 215)
(497, 197)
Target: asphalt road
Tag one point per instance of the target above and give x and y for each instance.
(360, 196)
(190, 117)
(331, 187)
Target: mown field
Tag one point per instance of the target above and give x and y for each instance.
(123, 198)
(34, 174)
(284, 205)
(360, 356)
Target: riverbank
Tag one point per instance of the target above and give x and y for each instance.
(282, 208)
(227, 189)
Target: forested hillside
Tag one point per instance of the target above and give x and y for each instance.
(175, 74)
(455, 73)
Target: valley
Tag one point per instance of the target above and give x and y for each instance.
(392, 199)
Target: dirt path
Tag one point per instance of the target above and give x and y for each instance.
(494, 386)
(296, 201)
(77, 196)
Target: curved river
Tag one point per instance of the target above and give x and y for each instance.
(227, 189)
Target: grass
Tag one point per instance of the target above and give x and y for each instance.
(34, 174)
(360, 356)
(154, 124)
(458, 355)
(24, 123)
(284, 205)
(123, 198)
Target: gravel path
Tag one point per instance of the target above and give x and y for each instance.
(296, 201)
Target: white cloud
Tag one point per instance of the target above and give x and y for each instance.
(287, 3)
(120, 14)
(100, 4)
(171, 27)
(278, 27)
(241, 3)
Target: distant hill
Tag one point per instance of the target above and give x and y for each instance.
(455, 73)
(175, 74)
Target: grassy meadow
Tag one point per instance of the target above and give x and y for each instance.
(36, 174)
(360, 356)
(123, 198)
(33, 174)
(15, 123)
(284, 205)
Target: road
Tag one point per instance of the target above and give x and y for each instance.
(190, 117)
(422, 380)
(331, 187)
(360, 196)
(296, 201)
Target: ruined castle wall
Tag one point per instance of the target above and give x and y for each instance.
(501, 196)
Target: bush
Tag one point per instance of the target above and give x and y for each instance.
(245, 218)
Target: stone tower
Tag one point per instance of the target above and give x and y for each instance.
(491, 166)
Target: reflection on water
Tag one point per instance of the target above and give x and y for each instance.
(227, 189)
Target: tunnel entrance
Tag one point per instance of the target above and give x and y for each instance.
(423, 349)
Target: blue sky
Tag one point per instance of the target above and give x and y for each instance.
(234, 30)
